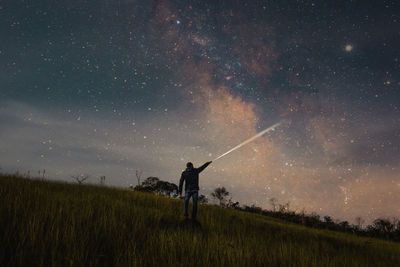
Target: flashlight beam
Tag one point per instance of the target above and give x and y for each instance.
(250, 139)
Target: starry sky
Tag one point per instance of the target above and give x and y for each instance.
(108, 87)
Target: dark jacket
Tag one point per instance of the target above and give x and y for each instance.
(191, 176)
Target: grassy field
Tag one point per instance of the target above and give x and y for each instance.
(46, 223)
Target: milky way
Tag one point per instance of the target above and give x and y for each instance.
(110, 87)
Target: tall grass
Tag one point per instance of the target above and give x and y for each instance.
(51, 224)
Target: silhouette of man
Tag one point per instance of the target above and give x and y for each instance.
(191, 177)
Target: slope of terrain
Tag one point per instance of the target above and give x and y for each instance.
(47, 223)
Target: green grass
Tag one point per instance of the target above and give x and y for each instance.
(46, 223)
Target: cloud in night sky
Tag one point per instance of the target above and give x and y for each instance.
(107, 88)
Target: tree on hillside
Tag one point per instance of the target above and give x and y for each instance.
(43, 172)
(150, 181)
(138, 176)
(80, 178)
(155, 185)
(345, 226)
(384, 226)
(220, 193)
(166, 187)
(232, 204)
(359, 222)
(284, 207)
(203, 199)
(273, 200)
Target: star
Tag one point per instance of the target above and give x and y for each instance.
(348, 48)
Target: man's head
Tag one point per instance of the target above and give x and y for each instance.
(189, 165)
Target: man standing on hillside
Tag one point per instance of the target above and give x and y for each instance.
(191, 177)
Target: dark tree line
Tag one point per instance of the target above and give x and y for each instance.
(380, 228)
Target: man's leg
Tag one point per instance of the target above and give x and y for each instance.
(195, 198)
(186, 204)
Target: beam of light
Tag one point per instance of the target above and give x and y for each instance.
(250, 139)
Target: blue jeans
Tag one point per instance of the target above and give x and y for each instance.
(195, 195)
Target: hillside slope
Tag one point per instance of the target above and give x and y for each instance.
(48, 223)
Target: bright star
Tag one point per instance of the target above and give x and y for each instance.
(348, 48)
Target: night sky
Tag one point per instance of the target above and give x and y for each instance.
(108, 87)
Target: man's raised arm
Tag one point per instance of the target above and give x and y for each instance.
(200, 169)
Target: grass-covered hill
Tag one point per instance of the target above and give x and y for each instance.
(46, 223)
